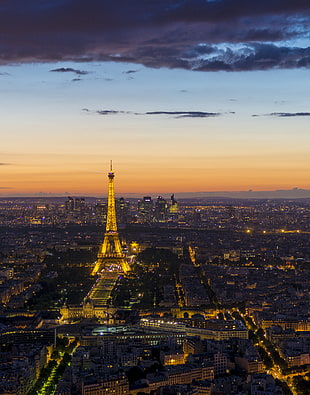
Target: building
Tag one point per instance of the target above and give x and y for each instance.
(146, 209)
(161, 209)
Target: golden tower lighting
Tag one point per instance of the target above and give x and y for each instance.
(110, 250)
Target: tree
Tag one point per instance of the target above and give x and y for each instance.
(164, 259)
(135, 373)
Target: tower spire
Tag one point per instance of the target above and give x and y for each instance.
(110, 250)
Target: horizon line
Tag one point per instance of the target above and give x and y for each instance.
(293, 193)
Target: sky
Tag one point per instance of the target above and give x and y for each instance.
(182, 96)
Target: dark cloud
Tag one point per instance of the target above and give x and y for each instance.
(175, 114)
(226, 10)
(290, 114)
(69, 70)
(256, 56)
(130, 71)
(112, 112)
(4, 164)
(185, 114)
(285, 114)
(192, 34)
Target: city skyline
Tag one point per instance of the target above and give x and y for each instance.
(184, 97)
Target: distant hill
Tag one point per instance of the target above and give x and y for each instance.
(295, 193)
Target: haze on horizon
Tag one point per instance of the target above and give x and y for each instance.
(184, 96)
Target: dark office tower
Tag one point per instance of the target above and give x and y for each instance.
(69, 204)
(146, 209)
(122, 211)
(80, 204)
(161, 209)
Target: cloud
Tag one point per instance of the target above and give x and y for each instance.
(176, 114)
(290, 114)
(113, 112)
(202, 35)
(4, 164)
(254, 56)
(185, 114)
(70, 70)
(285, 114)
(130, 71)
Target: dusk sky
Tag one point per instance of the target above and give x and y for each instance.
(183, 96)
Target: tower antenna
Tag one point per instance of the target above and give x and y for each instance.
(111, 165)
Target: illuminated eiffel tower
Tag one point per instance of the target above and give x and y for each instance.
(110, 250)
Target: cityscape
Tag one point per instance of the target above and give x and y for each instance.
(154, 295)
(154, 197)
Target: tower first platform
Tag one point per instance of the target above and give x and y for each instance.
(110, 250)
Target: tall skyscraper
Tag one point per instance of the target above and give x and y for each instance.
(161, 209)
(173, 209)
(122, 211)
(145, 208)
(80, 204)
(69, 204)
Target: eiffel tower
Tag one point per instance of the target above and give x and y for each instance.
(110, 250)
